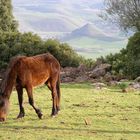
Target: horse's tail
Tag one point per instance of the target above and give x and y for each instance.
(58, 90)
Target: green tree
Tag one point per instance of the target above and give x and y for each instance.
(125, 13)
(127, 61)
(7, 21)
(133, 56)
(29, 44)
(63, 52)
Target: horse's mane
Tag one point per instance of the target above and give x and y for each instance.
(9, 73)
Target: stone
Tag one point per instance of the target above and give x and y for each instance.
(137, 79)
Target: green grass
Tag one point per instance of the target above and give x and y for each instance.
(112, 115)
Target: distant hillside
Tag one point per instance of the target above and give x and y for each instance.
(93, 48)
(89, 30)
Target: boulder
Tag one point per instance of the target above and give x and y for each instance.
(67, 80)
(99, 85)
(96, 73)
(83, 78)
(99, 70)
(81, 69)
(135, 85)
(113, 83)
(70, 74)
(108, 77)
(137, 79)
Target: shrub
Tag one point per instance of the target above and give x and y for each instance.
(15, 43)
(123, 86)
(127, 61)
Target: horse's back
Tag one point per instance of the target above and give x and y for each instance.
(36, 70)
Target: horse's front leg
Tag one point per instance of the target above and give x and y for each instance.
(31, 101)
(20, 100)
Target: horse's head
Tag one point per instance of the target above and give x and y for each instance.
(4, 104)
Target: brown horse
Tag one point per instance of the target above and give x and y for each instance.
(28, 72)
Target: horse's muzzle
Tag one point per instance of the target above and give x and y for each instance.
(2, 119)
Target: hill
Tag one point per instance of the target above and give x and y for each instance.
(90, 31)
(69, 21)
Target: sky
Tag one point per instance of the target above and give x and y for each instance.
(86, 11)
(57, 18)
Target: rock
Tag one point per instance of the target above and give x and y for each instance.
(83, 78)
(97, 63)
(105, 66)
(99, 70)
(135, 85)
(70, 74)
(113, 83)
(67, 80)
(124, 80)
(98, 85)
(108, 77)
(81, 69)
(137, 79)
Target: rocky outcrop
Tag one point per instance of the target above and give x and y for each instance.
(137, 79)
(70, 74)
(99, 70)
(135, 85)
(82, 74)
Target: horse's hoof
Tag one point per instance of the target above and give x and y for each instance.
(40, 115)
(58, 111)
(53, 116)
(21, 115)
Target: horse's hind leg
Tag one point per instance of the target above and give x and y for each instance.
(52, 87)
(20, 100)
(54, 98)
(31, 101)
(58, 95)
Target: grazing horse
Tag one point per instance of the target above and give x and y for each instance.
(28, 72)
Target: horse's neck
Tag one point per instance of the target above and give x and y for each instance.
(8, 83)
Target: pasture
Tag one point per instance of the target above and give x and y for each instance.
(86, 114)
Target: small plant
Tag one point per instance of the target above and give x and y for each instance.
(123, 86)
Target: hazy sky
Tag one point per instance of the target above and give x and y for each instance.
(56, 18)
(39, 1)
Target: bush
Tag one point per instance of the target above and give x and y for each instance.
(15, 43)
(127, 61)
(133, 56)
(123, 86)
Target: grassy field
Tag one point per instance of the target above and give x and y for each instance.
(109, 114)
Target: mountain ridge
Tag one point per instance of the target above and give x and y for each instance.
(89, 30)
